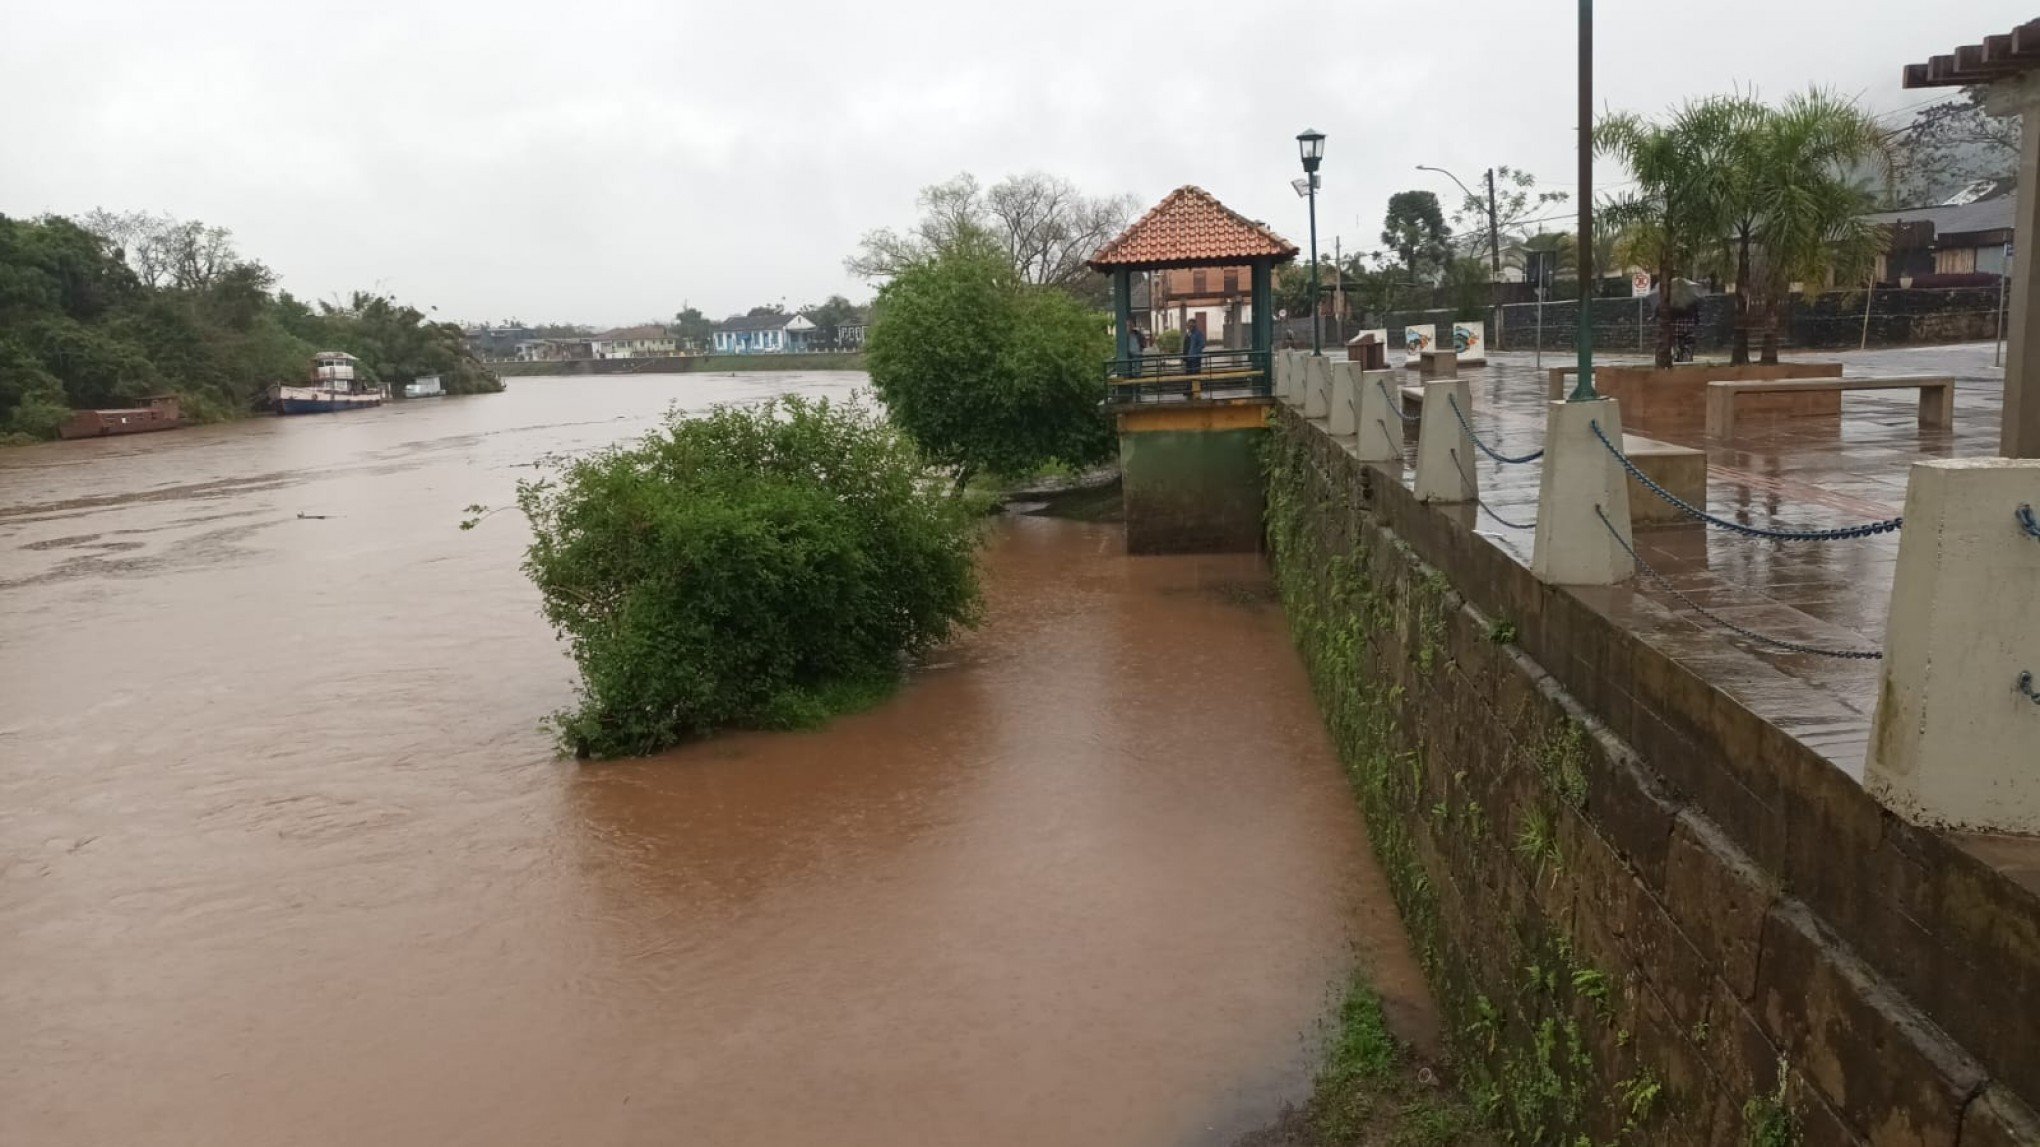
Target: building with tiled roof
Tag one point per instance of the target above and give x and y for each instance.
(1188, 229)
(649, 340)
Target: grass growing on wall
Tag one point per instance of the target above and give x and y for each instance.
(1539, 1038)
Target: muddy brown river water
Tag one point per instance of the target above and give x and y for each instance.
(285, 859)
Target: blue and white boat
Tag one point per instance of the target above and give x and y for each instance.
(334, 388)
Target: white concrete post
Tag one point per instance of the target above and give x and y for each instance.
(1345, 416)
(1437, 364)
(1445, 453)
(1380, 432)
(1292, 377)
(1954, 741)
(1572, 544)
(1317, 386)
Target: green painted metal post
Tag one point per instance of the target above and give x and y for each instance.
(1122, 312)
(1584, 390)
(1264, 314)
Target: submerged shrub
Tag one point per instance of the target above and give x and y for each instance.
(765, 567)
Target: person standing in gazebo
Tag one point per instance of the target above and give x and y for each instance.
(1193, 345)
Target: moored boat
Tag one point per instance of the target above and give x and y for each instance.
(333, 388)
(160, 414)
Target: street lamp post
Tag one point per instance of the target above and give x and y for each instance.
(1494, 235)
(1310, 145)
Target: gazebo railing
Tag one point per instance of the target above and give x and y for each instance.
(1166, 377)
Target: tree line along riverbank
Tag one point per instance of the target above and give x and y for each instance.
(685, 364)
(106, 310)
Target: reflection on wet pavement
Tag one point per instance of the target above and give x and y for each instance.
(1776, 473)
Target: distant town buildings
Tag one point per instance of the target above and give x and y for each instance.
(1221, 296)
(763, 334)
(1965, 236)
(647, 341)
(773, 333)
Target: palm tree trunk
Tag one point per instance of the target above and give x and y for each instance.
(1739, 352)
(1664, 314)
(1770, 330)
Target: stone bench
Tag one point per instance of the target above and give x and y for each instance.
(1937, 396)
(1681, 470)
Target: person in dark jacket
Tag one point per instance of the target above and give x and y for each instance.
(1193, 345)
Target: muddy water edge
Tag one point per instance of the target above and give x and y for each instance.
(284, 857)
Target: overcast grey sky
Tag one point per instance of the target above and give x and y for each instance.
(603, 161)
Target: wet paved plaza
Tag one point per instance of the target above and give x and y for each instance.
(1799, 473)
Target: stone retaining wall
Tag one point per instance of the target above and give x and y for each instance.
(1650, 915)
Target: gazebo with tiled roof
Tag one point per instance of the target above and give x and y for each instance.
(1189, 229)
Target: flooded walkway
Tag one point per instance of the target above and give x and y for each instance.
(284, 858)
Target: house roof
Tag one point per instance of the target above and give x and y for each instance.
(771, 322)
(632, 334)
(1994, 59)
(1983, 215)
(1190, 228)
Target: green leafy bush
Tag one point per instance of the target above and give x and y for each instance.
(1169, 342)
(758, 567)
(986, 372)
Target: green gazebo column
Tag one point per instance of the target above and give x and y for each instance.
(1122, 312)
(1264, 311)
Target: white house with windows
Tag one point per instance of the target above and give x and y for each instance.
(648, 341)
(763, 334)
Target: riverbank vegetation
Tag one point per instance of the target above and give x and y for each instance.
(108, 309)
(1373, 1090)
(757, 567)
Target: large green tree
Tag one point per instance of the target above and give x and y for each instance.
(988, 373)
(692, 328)
(1414, 228)
(829, 316)
(1519, 207)
(1042, 226)
(1948, 145)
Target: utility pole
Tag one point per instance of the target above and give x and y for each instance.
(1494, 232)
(1584, 392)
(1338, 288)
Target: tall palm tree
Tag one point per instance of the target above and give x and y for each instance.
(1808, 209)
(1674, 212)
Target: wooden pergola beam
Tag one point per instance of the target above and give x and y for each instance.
(1993, 59)
(2001, 63)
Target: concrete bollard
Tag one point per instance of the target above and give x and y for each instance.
(1572, 544)
(1345, 416)
(1292, 377)
(1953, 741)
(1380, 434)
(1317, 386)
(1437, 364)
(1445, 454)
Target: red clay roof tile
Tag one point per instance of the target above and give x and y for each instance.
(1190, 228)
